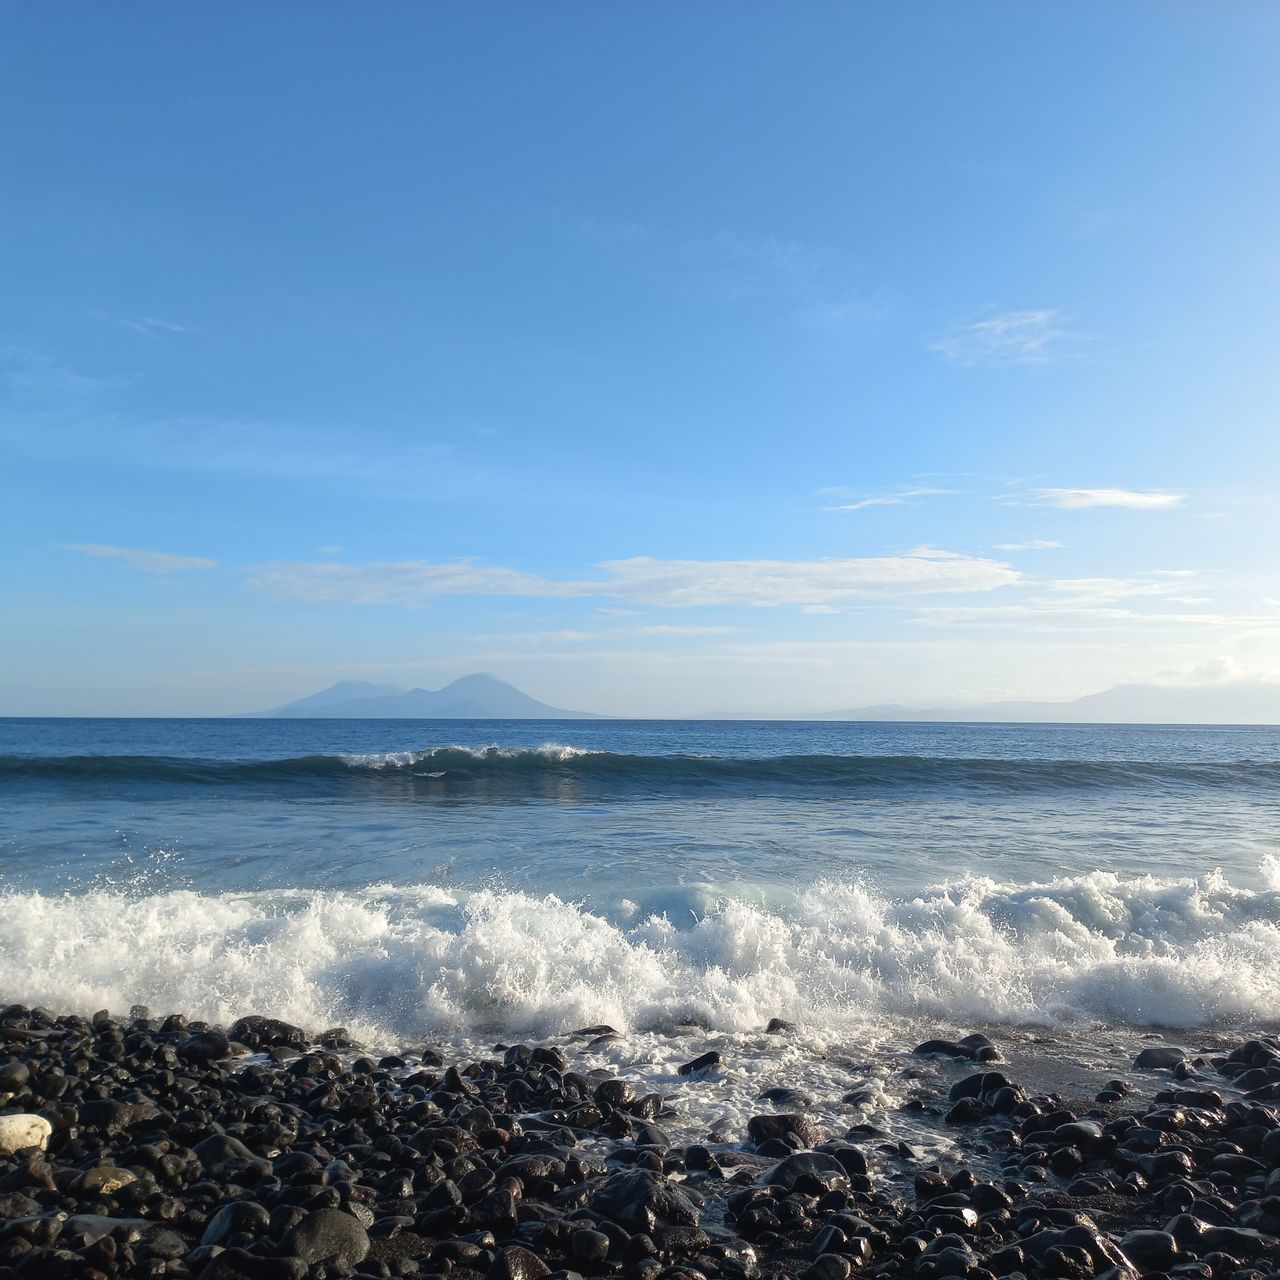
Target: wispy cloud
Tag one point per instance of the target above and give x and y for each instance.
(148, 326)
(1010, 338)
(884, 499)
(667, 629)
(1035, 544)
(144, 561)
(647, 580)
(1135, 499)
(34, 376)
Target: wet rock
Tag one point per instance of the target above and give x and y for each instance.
(257, 1033)
(1159, 1058)
(784, 1125)
(205, 1048)
(701, 1063)
(640, 1200)
(824, 1169)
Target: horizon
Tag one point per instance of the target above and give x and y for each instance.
(790, 364)
(938, 715)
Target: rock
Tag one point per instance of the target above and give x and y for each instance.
(589, 1247)
(222, 1156)
(709, 1059)
(255, 1033)
(1150, 1250)
(240, 1264)
(207, 1047)
(975, 1048)
(245, 1216)
(783, 1097)
(975, 1086)
(819, 1165)
(328, 1234)
(113, 1114)
(762, 1129)
(103, 1180)
(13, 1076)
(828, 1266)
(617, 1094)
(778, 1027)
(1158, 1058)
(515, 1263)
(23, 1130)
(639, 1200)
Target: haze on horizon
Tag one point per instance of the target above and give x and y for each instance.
(659, 360)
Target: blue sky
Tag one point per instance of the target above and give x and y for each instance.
(662, 359)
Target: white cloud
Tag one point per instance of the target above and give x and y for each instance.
(886, 499)
(145, 561)
(402, 582)
(1137, 500)
(148, 326)
(663, 629)
(1035, 544)
(646, 580)
(1011, 338)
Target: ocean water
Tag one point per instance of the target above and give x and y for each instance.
(682, 881)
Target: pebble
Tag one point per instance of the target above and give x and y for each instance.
(162, 1151)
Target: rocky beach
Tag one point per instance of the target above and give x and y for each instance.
(153, 1146)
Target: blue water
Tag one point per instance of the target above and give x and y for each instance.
(532, 876)
(252, 804)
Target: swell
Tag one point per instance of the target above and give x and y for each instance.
(462, 769)
(398, 963)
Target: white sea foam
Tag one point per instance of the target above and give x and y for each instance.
(395, 964)
(555, 752)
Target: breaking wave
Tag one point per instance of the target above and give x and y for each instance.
(397, 963)
(489, 770)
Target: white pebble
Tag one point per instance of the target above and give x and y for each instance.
(25, 1130)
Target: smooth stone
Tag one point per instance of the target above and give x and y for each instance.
(18, 1132)
(13, 1075)
(701, 1063)
(328, 1233)
(762, 1129)
(1151, 1250)
(1159, 1057)
(826, 1169)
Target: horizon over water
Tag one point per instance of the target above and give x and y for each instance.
(409, 878)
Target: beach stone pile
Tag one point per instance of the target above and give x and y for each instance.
(153, 1147)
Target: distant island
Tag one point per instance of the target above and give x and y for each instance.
(1242, 702)
(484, 697)
(474, 697)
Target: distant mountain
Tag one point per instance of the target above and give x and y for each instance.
(1244, 702)
(477, 697)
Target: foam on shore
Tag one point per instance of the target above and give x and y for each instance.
(395, 963)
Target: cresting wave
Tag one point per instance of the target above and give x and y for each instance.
(394, 964)
(460, 769)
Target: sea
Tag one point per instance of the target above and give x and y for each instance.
(481, 882)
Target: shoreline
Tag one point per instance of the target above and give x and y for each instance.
(167, 1148)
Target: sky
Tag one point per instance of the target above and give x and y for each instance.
(662, 359)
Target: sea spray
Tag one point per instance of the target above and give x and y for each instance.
(395, 963)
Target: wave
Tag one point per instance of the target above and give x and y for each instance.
(394, 964)
(495, 770)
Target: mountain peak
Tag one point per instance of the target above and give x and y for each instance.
(478, 696)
